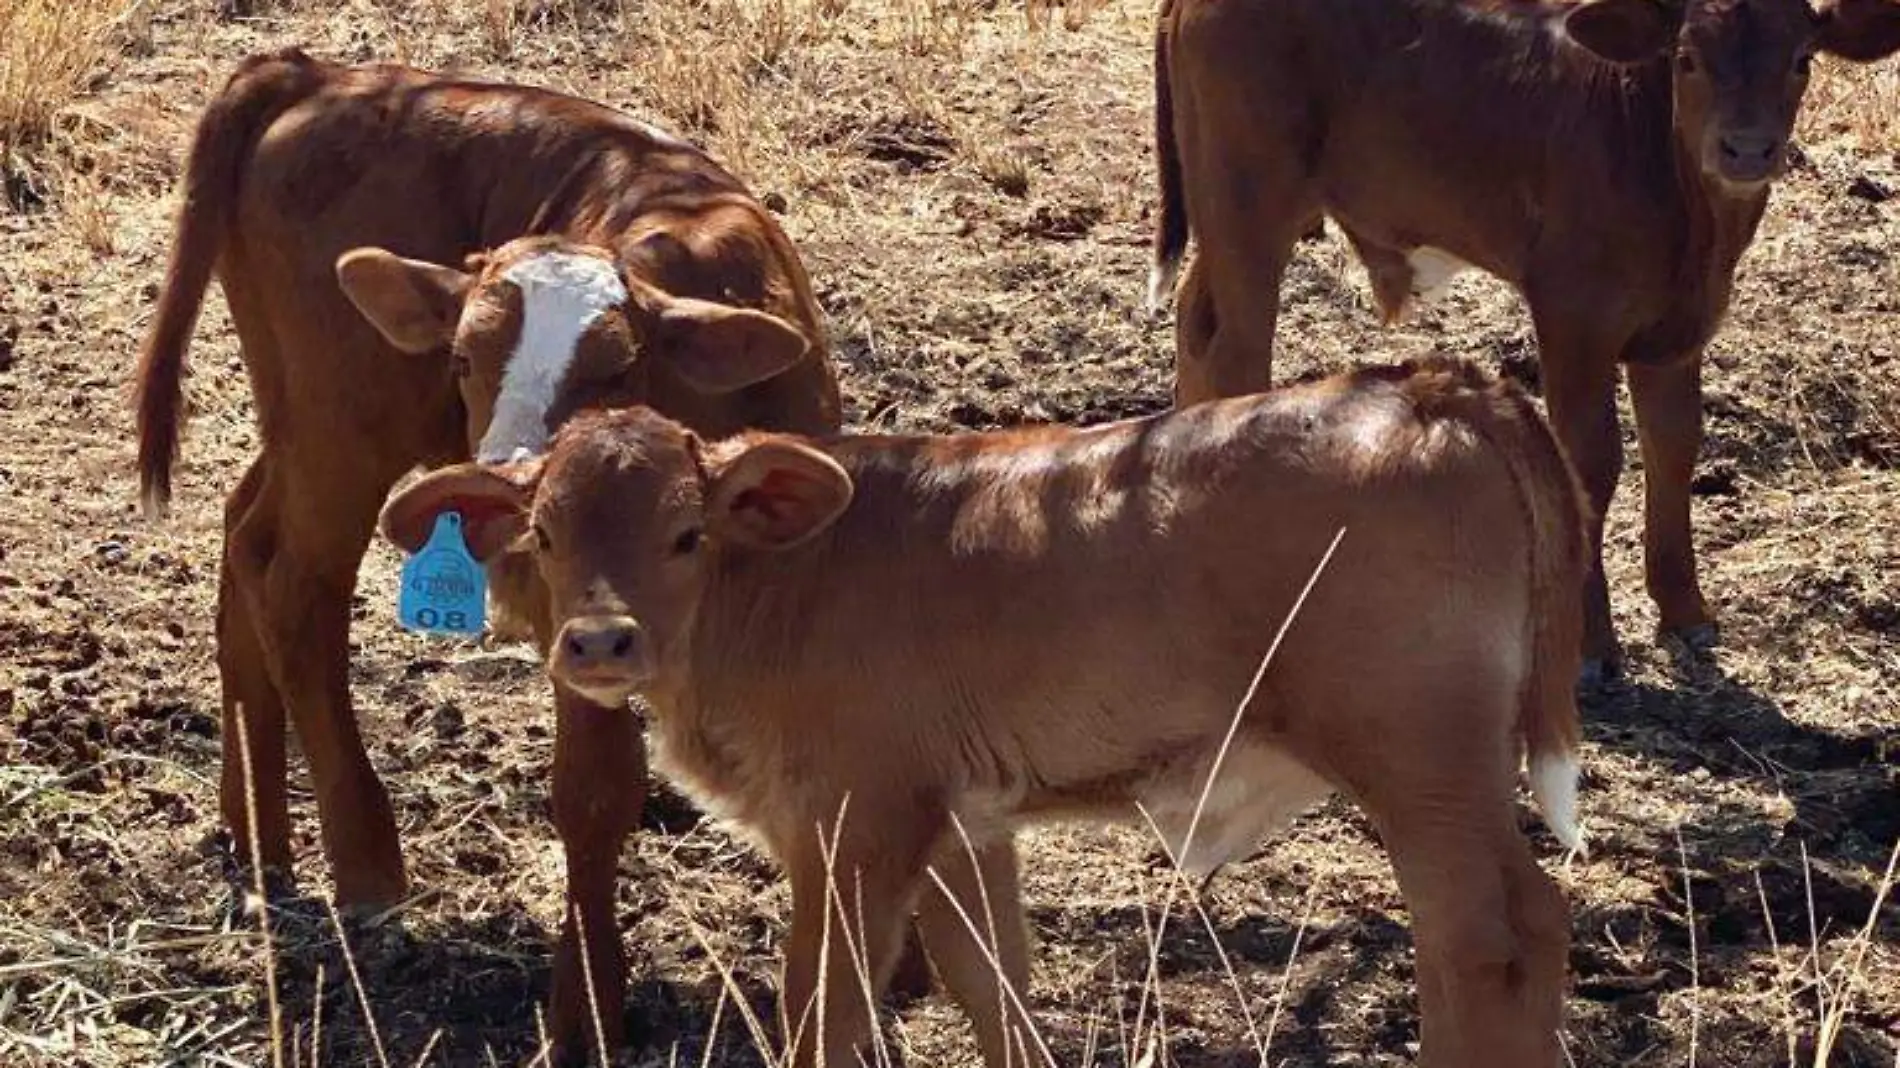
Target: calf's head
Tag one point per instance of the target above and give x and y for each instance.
(628, 517)
(1740, 66)
(540, 329)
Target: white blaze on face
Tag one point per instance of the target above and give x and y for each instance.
(562, 294)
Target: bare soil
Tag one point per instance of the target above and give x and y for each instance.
(970, 185)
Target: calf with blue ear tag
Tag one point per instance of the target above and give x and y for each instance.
(1098, 609)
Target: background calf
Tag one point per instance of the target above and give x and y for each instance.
(1610, 160)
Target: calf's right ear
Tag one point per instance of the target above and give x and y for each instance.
(1860, 30)
(1622, 31)
(493, 502)
(776, 494)
(413, 303)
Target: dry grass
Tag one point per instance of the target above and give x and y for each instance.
(49, 51)
(968, 182)
(1857, 100)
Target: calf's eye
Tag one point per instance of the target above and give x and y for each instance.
(687, 541)
(1803, 64)
(541, 541)
(1686, 63)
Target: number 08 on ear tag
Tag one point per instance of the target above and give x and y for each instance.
(444, 590)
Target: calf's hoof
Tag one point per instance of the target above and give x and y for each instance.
(1598, 672)
(572, 1055)
(577, 1046)
(911, 980)
(370, 892)
(367, 869)
(1696, 638)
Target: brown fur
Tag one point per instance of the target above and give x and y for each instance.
(298, 162)
(1617, 199)
(857, 647)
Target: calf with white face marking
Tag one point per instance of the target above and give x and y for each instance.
(861, 644)
(423, 269)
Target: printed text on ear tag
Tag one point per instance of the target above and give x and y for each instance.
(444, 590)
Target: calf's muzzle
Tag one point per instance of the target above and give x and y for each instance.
(604, 658)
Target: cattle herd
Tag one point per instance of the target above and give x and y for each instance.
(609, 360)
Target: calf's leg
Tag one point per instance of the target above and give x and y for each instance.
(1579, 370)
(1668, 402)
(600, 787)
(1491, 929)
(1249, 199)
(253, 711)
(1230, 304)
(990, 896)
(850, 911)
(292, 559)
(1492, 933)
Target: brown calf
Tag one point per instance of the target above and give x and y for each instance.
(1617, 199)
(653, 277)
(856, 646)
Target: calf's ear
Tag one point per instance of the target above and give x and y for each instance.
(717, 348)
(413, 303)
(1860, 30)
(493, 502)
(776, 494)
(1622, 31)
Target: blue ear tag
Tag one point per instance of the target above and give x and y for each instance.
(444, 589)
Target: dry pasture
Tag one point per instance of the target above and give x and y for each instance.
(969, 181)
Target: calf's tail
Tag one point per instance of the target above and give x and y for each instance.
(1554, 508)
(1554, 502)
(262, 88)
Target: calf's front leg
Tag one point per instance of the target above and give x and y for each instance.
(976, 965)
(853, 890)
(600, 787)
(1668, 402)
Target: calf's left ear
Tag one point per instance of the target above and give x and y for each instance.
(717, 348)
(493, 502)
(776, 494)
(1860, 30)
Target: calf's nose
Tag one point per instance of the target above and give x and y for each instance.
(600, 646)
(1748, 153)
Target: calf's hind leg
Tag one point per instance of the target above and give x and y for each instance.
(1229, 306)
(1249, 200)
(1490, 927)
(253, 711)
(293, 558)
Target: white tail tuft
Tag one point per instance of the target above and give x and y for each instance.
(1554, 784)
(1161, 284)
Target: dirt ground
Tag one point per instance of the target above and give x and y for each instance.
(970, 186)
